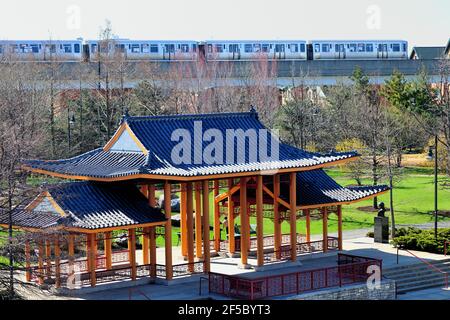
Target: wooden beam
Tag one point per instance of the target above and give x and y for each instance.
(216, 218)
(325, 228)
(340, 236)
(272, 195)
(183, 222)
(57, 263)
(293, 217)
(259, 221)
(206, 245)
(190, 225)
(245, 227)
(108, 249)
(276, 216)
(168, 231)
(198, 220)
(27, 260)
(153, 257)
(231, 190)
(146, 246)
(308, 224)
(132, 248)
(231, 237)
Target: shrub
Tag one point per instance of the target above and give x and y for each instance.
(421, 240)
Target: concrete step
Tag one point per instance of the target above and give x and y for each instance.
(429, 277)
(415, 265)
(416, 273)
(416, 268)
(421, 286)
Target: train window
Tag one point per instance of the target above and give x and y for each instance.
(34, 48)
(233, 48)
(369, 47)
(279, 48)
(194, 47)
(257, 47)
(23, 48)
(218, 48)
(76, 48)
(1, 49)
(67, 48)
(294, 47)
(93, 48)
(154, 48)
(15, 48)
(265, 47)
(145, 48)
(170, 48)
(209, 48)
(361, 47)
(325, 47)
(404, 47)
(352, 47)
(248, 48)
(396, 47)
(185, 48)
(317, 47)
(302, 47)
(135, 48)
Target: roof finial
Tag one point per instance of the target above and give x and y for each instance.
(253, 111)
(126, 115)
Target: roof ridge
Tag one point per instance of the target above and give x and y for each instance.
(192, 115)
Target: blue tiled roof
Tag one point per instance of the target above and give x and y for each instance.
(155, 133)
(91, 205)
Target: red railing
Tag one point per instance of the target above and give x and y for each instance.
(268, 241)
(293, 283)
(429, 265)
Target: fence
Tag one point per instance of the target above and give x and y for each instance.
(295, 283)
(268, 241)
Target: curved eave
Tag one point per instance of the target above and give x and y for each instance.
(126, 177)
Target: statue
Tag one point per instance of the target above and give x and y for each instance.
(382, 210)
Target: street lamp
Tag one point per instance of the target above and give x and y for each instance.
(430, 156)
(70, 123)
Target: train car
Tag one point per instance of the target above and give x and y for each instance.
(41, 50)
(145, 49)
(255, 49)
(354, 50)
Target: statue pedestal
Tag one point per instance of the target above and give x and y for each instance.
(381, 231)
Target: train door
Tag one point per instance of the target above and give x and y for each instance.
(340, 51)
(233, 49)
(169, 51)
(280, 51)
(382, 51)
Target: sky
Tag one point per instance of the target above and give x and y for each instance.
(420, 22)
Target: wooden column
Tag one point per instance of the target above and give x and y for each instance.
(198, 220)
(168, 231)
(27, 260)
(152, 240)
(92, 254)
(259, 221)
(340, 237)
(108, 249)
(307, 213)
(152, 195)
(41, 262)
(325, 228)
(48, 256)
(88, 251)
(206, 244)
(146, 246)
(71, 253)
(231, 238)
(276, 216)
(216, 218)
(190, 225)
(183, 218)
(245, 227)
(293, 217)
(57, 263)
(132, 248)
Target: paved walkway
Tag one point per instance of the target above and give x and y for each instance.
(428, 294)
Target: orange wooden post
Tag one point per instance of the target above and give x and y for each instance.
(57, 263)
(198, 220)
(41, 263)
(48, 255)
(216, 218)
(71, 253)
(245, 228)
(146, 246)
(88, 251)
(293, 217)
(92, 255)
(259, 221)
(190, 225)
(27, 260)
(132, 247)
(340, 237)
(183, 218)
(308, 224)
(206, 244)
(152, 195)
(325, 228)
(168, 231)
(152, 239)
(108, 249)
(276, 216)
(231, 237)
(144, 190)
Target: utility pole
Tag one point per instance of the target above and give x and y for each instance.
(435, 186)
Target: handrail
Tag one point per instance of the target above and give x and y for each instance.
(431, 266)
